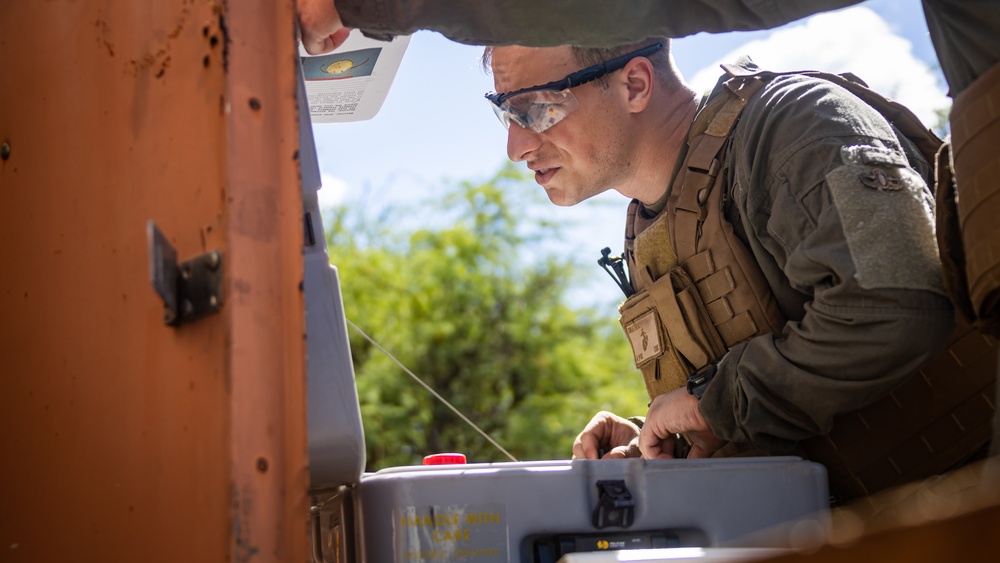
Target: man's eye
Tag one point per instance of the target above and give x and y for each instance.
(519, 112)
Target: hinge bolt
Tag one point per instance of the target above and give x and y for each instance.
(5, 151)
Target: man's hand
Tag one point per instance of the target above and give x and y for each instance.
(322, 30)
(609, 432)
(675, 413)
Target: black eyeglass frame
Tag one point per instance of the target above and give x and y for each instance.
(580, 77)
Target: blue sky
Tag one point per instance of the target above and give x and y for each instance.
(435, 125)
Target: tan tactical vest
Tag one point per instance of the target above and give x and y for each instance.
(699, 291)
(698, 305)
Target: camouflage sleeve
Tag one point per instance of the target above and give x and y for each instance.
(579, 22)
(843, 229)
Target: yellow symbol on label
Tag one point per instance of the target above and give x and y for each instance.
(338, 67)
(602, 544)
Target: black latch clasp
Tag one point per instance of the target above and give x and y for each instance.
(615, 506)
(189, 289)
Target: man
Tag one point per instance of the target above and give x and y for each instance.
(851, 263)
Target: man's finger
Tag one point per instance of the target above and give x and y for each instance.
(322, 29)
(326, 44)
(615, 453)
(338, 38)
(697, 452)
(623, 452)
(658, 452)
(585, 446)
(652, 447)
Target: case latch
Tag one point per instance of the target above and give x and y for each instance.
(190, 289)
(615, 506)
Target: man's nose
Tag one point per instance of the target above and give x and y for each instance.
(521, 142)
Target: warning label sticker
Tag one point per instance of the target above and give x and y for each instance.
(475, 532)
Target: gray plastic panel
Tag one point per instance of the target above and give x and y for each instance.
(683, 555)
(336, 437)
(489, 512)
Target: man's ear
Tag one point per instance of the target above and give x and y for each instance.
(638, 77)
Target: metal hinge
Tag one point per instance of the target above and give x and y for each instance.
(190, 289)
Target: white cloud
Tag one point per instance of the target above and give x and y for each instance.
(332, 191)
(853, 40)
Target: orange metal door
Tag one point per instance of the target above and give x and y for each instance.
(124, 439)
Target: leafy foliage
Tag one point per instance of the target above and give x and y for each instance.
(474, 308)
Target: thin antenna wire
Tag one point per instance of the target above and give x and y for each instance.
(431, 391)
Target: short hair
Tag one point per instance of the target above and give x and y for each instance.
(590, 56)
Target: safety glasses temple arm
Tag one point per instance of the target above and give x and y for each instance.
(607, 67)
(579, 77)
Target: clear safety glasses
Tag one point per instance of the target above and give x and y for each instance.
(540, 107)
(536, 110)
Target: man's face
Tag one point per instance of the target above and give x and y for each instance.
(582, 155)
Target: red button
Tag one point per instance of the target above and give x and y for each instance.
(444, 459)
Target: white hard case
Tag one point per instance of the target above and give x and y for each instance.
(538, 511)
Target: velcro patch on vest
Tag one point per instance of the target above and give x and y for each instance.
(653, 248)
(644, 335)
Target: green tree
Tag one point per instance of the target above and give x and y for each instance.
(472, 305)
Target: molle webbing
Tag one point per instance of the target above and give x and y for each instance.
(732, 287)
(975, 135)
(936, 420)
(719, 297)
